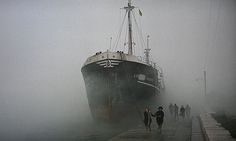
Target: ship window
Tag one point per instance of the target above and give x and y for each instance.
(102, 56)
(113, 56)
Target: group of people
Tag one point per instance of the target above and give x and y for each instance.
(159, 114)
(174, 111)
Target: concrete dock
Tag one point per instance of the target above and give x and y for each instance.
(199, 128)
(172, 130)
(212, 130)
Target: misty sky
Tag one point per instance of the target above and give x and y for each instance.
(43, 45)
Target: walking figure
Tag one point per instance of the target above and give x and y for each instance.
(159, 118)
(176, 108)
(182, 111)
(187, 110)
(147, 119)
(171, 109)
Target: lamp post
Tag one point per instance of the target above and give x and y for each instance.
(204, 74)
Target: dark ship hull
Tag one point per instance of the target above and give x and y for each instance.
(119, 86)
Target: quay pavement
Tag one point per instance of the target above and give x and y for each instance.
(198, 128)
(172, 131)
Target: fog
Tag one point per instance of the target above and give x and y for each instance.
(43, 45)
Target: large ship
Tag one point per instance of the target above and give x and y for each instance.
(118, 84)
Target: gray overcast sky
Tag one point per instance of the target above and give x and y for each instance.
(43, 45)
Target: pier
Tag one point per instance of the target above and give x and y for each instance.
(197, 128)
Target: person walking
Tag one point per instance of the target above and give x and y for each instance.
(159, 117)
(176, 108)
(171, 109)
(182, 112)
(147, 119)
(187, 110)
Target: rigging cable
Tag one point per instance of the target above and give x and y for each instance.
(134, 44)
(140, 28)
(140, 23)
(213, 37)
(119, 34)
(217, 22)
(208, 35)
(138, 42)
(119, 21)
(125, 42)
(141, 36)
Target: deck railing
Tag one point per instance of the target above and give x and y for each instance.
(151, 63)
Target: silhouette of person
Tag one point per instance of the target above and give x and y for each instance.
(182, 111)
(171, 109)
(187, 110)
(176, 108)
(159, 118)
(147, 119)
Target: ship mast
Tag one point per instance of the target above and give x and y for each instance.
(147, 50)
(129, 8)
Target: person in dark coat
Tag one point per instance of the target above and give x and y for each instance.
(182, 111)
(176, 110)
(171, 109)
(159, 117)
(147, 119)
(187, 110)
